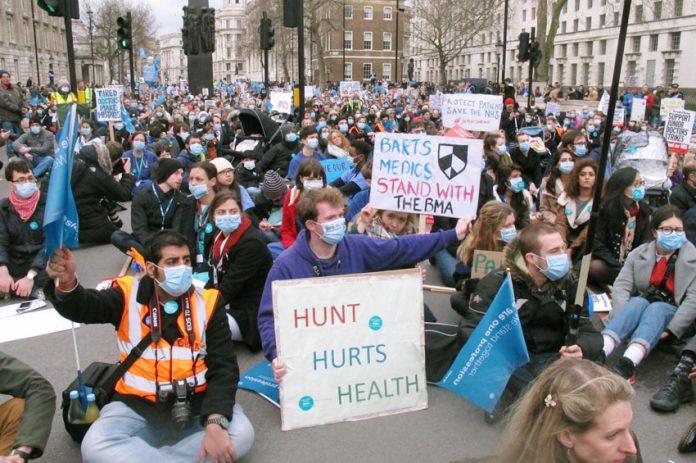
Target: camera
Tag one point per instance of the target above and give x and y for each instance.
(177, 394)
(654, 294)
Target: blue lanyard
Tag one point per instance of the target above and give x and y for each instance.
(138, 169)
(159, 202)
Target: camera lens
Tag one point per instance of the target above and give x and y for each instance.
(182, 416)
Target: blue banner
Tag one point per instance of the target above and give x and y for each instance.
(61, 225)
(260, 380)
(127, 122)
(334, 168)
(143, 55)
(493, 352)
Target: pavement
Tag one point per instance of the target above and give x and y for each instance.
(449, 430)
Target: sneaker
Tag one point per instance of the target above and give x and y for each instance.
(626, 369)
(687, 444)
(676, 392)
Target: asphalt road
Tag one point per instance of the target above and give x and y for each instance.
(450, 430)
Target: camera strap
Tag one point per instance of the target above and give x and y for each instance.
(156, 320)
(669, 271)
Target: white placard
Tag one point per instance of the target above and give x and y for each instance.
(471, 111)
(108, 102)
(308, 92)
(348, 87)
(668, 104)
(638, 107)
(552, 108)
(281, 102)
(619, 116)
(425, 174)
(28, 325)
(353, 346)
(603, 105)
(678, 128)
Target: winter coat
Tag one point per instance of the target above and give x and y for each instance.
(22, 243)
(278, 158)
(683, 196)
(146, 216)
(571, 225)
(11, 102)
(607, 243)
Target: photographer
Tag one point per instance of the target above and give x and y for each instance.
(655, 293)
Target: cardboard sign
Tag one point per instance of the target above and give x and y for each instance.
(678, 127)
(619, 116)
(638, 109)
(308, 92)
(108, 104)
(281, 102)
(668, 104)
(34, 323)
(435, 102)
(349, 87)
(334, 168)
(552, 108)
(472, 111)
(603, 105)
(353, 346)
(485, 262)
(425, 174)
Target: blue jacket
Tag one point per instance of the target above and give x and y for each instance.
(355, 254)
(297, 159)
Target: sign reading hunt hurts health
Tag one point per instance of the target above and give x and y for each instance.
(353, 346)
(425, 174)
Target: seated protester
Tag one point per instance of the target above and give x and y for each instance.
(222, 138)
(338, 145)
(379, 223)
(654, 296)
(309, 140)
(492, 230)
(539, 267)
(576, 141)
(623, 225)
(141, 160)
(36, 147)
(239, 260)
(161, 149)
(121, 135)
(495, 153)
(310, 176)
(358, 131)
(510, 189)
(180, 132)
(210, 143)
(247, 174)
(164, 142)
(593, 133)
(160, 207)
(269, 206)
(323, 243)
(22, 259)
(202, 181)
(362, 198)
(278, 157)
(353, 182)
(553, 185)
(674, 172)
(205, 361)
(678, 390)
(87, 133)
(26, 418)
(575, 206)
(192, 153)
(529, 160)
(226, 181)
(324, 132)
(683, 195)
(95, 187)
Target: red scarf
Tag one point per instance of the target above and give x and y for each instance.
(25, 207)
(222, 245)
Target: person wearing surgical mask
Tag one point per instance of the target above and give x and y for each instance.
(239, 263)
(511, 189)
(623, 225)
(309, 140)
(529, 160)
(352, 181)
(36, 147)
(575, 205)
(310, 176)
(86, 134)
(553, 185)
(580, 145)
(142, 159)
(21, 233)
(278, 157)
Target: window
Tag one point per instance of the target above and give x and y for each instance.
(600, 74)
(348, 71)
(228, 66)
(577, 5)
(561, 73)
(576, 49)
(563, 26)
(653, 42)
(669, 71)
(387, 41)
(533, 13)
(586, 74)
(678, 7)
(387, 13)
(348, 40)
(635, 44)
(631, 69)
(565, 7)
(564, 51)
(367, 14)
(386, 71)
(367, 71)
(348, 13)
(675, 41)
(589, 4)
(524, 15)
(602, 47)
(576, 25)
(657, 9)
(573, 74)
(639, 13)
(616, 18)
(588, 23)
(602, 20)
(367, 40)
(588, 47)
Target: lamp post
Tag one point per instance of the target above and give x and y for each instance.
(505, 27)
(396, 45)
(51, 75)
(91, 44)
(36, 50)
(498, 50)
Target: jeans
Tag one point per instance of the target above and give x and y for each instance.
(15, 129)
(446, 263)
(122, 435)
(41, 164)
(642, 320)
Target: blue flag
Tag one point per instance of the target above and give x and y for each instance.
(61, 226)
(493, 352)
(143, 55)
(127, 122)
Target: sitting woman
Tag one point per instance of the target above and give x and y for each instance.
(310, 175)
(338, 145)
(575, 412)
(623, 225)
(141, 160)
(575, 205)
(654, 296)
(495, 152)
(510, 189)
(552, 186)
(226, 182)
(353, 181)
(202, 180)
(239, 261)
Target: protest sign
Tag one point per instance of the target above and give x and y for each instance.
(494, 351)
(668, 104)
(472, 111)
(538, 101)
(619, 116)
(209, 104)
(308, 92)
(281, 102)
(425, 174)
(353, 346)
(552, 108)
(603, 105)
(484, 262)
(349, 87)
(435, 102)
(638, 109)
(334, 168)
(108, 104)
(150, 74)
(678, 127)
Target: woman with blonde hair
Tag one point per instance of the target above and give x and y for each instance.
(575, 412)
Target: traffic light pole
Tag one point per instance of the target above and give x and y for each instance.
(131, 62)
(265, 70)
(71, 51)
(532, 38)
(300, 57)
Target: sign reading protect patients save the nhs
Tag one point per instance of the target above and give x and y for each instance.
(425, 174)
(353, 346)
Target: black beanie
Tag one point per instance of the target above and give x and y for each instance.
(165, 168)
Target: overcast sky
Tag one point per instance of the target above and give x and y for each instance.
(169, 13)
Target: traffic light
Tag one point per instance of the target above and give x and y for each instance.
(52, 7)
(524, 47)
(125, 32)
(270, 34)
(535, 54)
(267, 33)
(290, 16)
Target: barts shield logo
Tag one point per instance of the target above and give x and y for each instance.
(452, 159)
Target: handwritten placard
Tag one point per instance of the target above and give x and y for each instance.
(485, 262)
(281, 102)
(334, 168)
(108, 104)
(472, 111)
(678, 127)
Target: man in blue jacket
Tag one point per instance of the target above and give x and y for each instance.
(322, 249)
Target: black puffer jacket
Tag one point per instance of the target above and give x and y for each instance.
(278, 158)
(607, 242)
(146, 215)
(542, 313)
(22, 243)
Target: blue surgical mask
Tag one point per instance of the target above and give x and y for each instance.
(507, 234)
(198, 191)
(343, 127)
(159, 114)
(208, 137)
(139, 145)
(291, 137)
(362, 125)
(26, 190)
(217, 127)
(321, 125)
(591, 128)
(670, 242)
(581, 150)
(566, 166)
(184, 136)
(312, 184)
(177, 280)
(118, 126)
(228, 223)
(502, 149)
(517, 184)
(638, 193)
(524, 146)
(557, 266)
(334, 231)
(196, 148)
(313, 143)
(35, 129)
(86, 131)
(351, 121)
(325, 136)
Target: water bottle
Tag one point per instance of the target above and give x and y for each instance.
(75, 413)
(92, 412)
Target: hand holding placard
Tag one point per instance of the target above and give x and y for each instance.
(463, 227)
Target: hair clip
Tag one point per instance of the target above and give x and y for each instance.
(549, 402)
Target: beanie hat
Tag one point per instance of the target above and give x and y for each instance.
(509, 101)
(273, 186)
(165, 168)
(221, 164)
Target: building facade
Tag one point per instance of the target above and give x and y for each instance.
(230, 58)
(173, 61)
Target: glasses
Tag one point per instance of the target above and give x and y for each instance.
(639, 183)
(21, 180)
(670, 230)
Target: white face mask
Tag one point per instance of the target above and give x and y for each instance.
(312, 184)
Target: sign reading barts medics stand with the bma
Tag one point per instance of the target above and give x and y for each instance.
(353, 346)
(425, 174)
